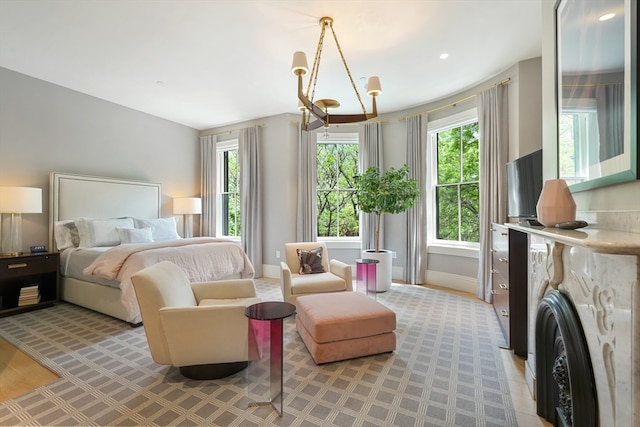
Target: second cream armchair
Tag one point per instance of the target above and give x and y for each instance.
(336, 278)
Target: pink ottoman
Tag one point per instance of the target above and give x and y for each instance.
(344, 325)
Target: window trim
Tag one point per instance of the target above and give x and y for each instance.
(222, 146)
(434, 245)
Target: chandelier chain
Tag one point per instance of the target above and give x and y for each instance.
(346, 67)
(320, 109)
(315, 70)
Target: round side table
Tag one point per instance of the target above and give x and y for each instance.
(366, 276)
(266, 350)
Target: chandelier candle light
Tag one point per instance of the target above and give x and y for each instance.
(16, 201)
(320, 108)
(187, 207)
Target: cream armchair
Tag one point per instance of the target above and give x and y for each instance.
(198, 327)
(337, 276)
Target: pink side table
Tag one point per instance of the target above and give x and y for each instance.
(366, 276)
(266, 352)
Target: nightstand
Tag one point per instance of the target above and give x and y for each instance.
(28, 282)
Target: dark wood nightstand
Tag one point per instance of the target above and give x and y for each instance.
(27, 271)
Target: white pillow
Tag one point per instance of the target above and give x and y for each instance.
(135, 235)
(66, 234)
(101, 232)
(163, 228)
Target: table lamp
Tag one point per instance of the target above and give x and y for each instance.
(187, 207)
(16, 201)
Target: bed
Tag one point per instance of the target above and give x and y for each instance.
(106, 229)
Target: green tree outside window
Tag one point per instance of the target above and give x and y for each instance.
(337, 164)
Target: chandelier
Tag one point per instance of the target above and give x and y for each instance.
(320, 108)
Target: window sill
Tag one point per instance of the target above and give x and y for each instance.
(460, 251)
(346, 243)
(234, 239)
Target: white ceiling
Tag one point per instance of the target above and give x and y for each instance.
(207, 63)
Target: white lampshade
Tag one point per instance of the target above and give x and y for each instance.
(187, 205)
(20, 200)
(373, 86)
(299, 63)
(16, 201)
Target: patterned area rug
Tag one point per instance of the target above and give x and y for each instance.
(446, 371)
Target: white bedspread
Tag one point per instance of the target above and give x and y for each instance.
(202, 259)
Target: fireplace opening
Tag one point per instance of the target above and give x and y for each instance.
(565, 388)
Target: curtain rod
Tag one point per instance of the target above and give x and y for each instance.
(454, 103)
(232, 130)
(383, 122)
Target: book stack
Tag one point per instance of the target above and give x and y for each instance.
(29, 295)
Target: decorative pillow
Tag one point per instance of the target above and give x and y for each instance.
(135, 235)
(163, 228)
(310, 261)
(66, 234)
(101, 232)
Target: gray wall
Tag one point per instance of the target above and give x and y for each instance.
(46, 128)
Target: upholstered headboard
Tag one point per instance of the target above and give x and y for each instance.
(75, 196)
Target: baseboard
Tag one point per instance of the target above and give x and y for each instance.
(452, 281)
(438, 278)
(271, 271)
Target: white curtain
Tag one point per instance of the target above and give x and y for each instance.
(415, 263)
(493, 123)
(250, 196)
(370, 147)
(208, 185)
(306, 212)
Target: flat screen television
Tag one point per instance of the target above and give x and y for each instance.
(524, 184)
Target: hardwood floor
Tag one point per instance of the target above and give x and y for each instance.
(19, 373)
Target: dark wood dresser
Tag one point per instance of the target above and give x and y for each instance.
(509, 284)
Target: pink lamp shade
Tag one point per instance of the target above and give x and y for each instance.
(556, 203)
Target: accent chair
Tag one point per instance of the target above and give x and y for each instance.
(337, 276)
(198, 327)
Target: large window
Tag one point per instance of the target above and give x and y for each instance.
(455, 182)
(228, 203)
(336, 202)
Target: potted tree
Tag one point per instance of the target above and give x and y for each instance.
(391, 192)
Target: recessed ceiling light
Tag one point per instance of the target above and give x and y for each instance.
(159, 82)
(444, 56)
(607, 16)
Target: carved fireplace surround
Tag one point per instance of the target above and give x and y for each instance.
(596, 271)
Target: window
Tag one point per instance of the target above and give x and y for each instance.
(228, 203)
(455, 180)
(578, 122)
(338, 216)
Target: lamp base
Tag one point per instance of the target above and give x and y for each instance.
(7, 254)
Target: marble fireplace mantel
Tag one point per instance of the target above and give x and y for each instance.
(599, 271)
